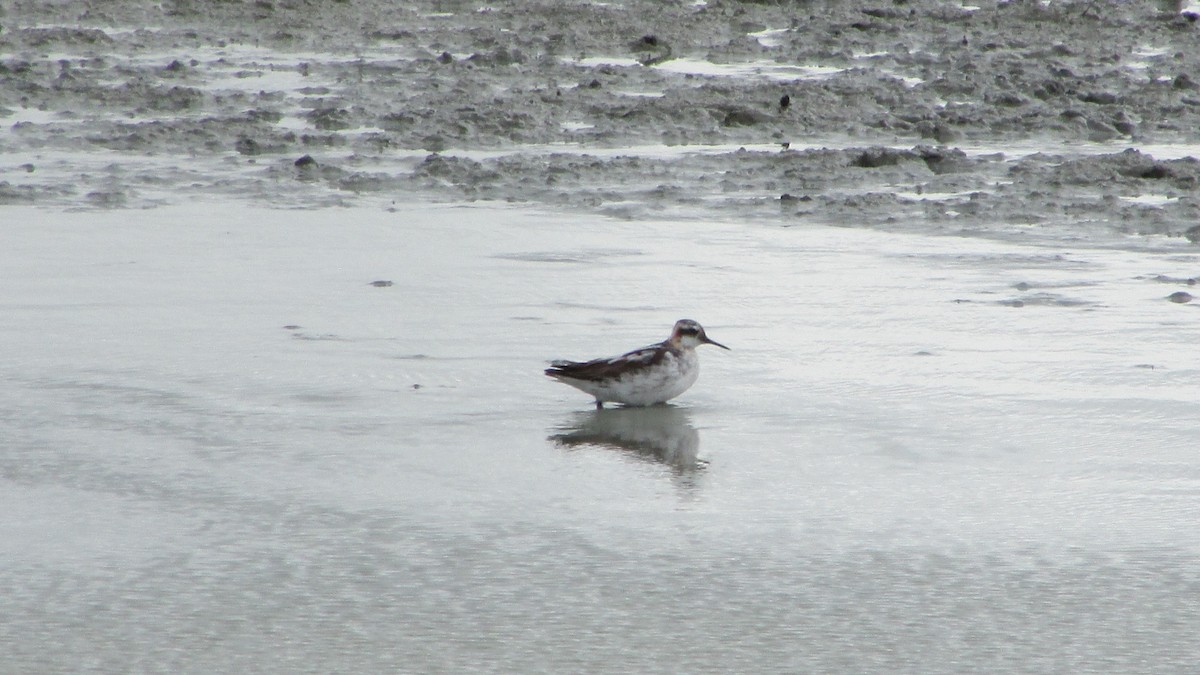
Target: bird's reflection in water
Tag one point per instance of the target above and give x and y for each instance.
(661, 433)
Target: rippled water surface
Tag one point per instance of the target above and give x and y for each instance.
(226, 449)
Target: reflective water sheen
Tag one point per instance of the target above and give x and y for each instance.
(226, 449)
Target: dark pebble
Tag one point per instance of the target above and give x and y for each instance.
(247, 146)
(743, 118)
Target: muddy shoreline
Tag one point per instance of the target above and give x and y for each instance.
(995, 118)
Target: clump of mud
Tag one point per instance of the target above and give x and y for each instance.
(910, 114)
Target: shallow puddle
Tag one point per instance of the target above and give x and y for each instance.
(891, 433)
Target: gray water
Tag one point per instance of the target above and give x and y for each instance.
(225, 450)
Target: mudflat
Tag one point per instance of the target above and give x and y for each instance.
(1073, 119)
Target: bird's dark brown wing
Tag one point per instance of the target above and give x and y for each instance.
(603, 369)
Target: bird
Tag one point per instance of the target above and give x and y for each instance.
(642, 377)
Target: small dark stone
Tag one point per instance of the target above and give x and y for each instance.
(1192, 234)
(941, 160)
(382, 283)
(784, 102)
(434, 143)
(743, 118)
(291, 326)
(1050, 89)
(175, 66)
(1100, 97)
(106, 198)
(329, 119)
(882, 13)
(505, 57)
(1180, 297)
(446, 57)
(305, 162)
(653, 50)
(269, 116)
(247, 146)
(872, 158)
(1008, 100)
(939, 131)
(1155, 172)
(594, 84)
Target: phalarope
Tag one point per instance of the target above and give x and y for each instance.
(645, 376)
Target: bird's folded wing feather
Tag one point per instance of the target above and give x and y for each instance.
(603, 369)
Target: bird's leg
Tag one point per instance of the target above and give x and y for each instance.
(599, 404)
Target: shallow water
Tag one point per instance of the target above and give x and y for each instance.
(225, 448)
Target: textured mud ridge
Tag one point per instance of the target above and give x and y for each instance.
(1075, 119)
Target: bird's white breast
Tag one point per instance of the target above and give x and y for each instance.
(661, 382)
